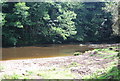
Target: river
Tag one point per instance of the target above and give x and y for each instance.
(43, 51)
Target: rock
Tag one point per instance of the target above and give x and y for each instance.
(117, 50)
(77, 53)
(23, 74)
(95, 52)
(110, 48)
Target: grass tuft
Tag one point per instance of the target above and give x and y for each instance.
(56, 74)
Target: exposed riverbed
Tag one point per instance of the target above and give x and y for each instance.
(64, 67)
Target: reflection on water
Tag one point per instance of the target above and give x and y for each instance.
(41, 51)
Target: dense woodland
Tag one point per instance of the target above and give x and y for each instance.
(31, 23)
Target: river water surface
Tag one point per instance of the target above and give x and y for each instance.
(43, 51)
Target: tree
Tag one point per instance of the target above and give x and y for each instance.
(26, 23)
(15, 18)
(93, 23)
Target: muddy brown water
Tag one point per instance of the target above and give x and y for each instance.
(41, 51)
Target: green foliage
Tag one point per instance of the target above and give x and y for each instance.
(21, 13)
(113, 8)
(26, 23)
(93, 23)
(8, 38)
(109, 73)
(16, 17)
(2, 19)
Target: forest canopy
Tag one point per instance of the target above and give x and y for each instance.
(30, 23)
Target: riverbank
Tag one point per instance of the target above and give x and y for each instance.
(90, 64)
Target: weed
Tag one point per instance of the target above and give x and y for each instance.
(109, 73)
(30, 72)
(14, 76)
(110, 56)
(73, 64)
(56, 75)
